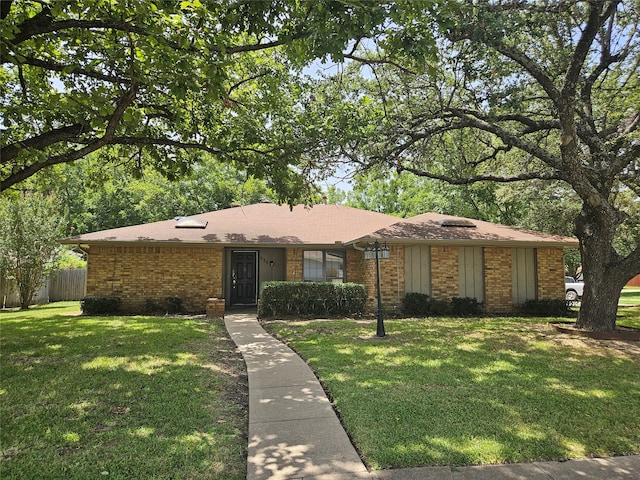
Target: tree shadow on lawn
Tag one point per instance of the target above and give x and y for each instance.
(473, 393)
(137, 397)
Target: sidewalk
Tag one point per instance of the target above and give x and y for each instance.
(294, 434)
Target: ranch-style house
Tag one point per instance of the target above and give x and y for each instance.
(227, 254)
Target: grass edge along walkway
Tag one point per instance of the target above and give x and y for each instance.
(474, 391)
(119, 397)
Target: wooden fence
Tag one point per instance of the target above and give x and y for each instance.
(67, 285)
(60, 286)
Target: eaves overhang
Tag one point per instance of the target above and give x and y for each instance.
(180, 243)
(506, 243)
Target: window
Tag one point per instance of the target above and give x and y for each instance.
(323, 266)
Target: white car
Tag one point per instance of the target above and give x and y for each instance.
(573, 290)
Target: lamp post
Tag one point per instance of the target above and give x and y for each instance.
(376, 251)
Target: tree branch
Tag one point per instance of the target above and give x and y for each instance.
(379, 61)
(43, 23)
(513, 53)
(594, 23)
(477, 120)
(149, 141)
(114, 120)
(69, 133)
(56, 67)
(482, 178)
(535, 70)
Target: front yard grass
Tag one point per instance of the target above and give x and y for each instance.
(119, 397)
(453, 391)
(630, 296)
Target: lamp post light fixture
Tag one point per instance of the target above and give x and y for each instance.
(376, 251)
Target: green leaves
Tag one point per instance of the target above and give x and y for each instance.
(29, 230)
(207, 77)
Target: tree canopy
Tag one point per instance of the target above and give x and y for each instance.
(93, 198)
(154, 82)
(458, 91)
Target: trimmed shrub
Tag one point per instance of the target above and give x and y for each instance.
(465, 307)
(423, 305)
(439, 308)
(100, 305)
(174, 305)
(417, 303)
(283, 299)
(151, 306)
(546, 308)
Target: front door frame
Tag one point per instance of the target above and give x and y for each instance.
(233, 298)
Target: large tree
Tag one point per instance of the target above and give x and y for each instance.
(521, 91)
(149, 82)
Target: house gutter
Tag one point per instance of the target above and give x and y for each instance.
(84, 250)
(464, 243)
(358, 247)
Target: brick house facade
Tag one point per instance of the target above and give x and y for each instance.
(233, 250)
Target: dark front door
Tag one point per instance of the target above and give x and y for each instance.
(244, 278)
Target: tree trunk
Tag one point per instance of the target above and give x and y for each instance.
(600, 302)
(604, 276)
(26, 293)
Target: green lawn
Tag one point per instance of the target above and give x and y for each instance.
(448, 391)
(154, 397)
(119, 397)
(630, 296)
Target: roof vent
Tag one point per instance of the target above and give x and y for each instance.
(185, 222)
(456, 222)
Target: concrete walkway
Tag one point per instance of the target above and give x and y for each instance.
(294, 433)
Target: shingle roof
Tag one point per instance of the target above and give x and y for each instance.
(262, 223)
(269, 224)
(438, 228)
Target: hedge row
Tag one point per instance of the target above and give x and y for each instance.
(546, 308)
(282, 299)
(422, 304)
(100, 305)
(94, 305)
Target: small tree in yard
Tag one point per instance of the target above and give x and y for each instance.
(29, 229)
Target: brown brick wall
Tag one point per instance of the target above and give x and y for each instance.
(444, 272)
(136, 274)
(294, 265)
(355, 266)
(550, 262)
(497, 280)
(391, 279)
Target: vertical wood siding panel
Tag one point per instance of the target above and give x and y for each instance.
(523, 275)
(531, 274)
(478, 268)
(426, 268)
(418, 269)
(471, 274)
